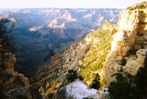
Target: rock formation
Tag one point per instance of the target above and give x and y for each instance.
(88, 57)
(12, 84)
(128, 48)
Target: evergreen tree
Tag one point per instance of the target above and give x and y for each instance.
(96, 82)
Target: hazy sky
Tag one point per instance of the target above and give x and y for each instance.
(67, 3)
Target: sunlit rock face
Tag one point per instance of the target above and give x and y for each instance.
(129, 44)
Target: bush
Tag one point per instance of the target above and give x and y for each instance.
(72, 75)
(141, 6)
(133, 51)
(121, 89)
(123, 62)
(50, 95)
(141, 79)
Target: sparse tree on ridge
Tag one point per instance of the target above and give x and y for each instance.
(4, 39)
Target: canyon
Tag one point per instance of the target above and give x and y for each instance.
(115, 53)
(39, 33)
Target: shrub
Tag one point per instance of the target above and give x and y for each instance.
(141, 79)
(123, 62)
(50, 95)
(121, 89)
(133, 51)
(138, 6)
(141, 6)
(72, 75)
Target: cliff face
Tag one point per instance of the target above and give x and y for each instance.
(110, 50)
(129, 45)
(12, 84)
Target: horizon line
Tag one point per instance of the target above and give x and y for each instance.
(61, 8)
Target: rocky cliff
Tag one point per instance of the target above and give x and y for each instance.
(128, 48)
(13, 85)
(125, 65)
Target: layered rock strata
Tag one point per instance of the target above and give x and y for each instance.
(129, 46)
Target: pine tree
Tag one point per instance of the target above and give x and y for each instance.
(96, 82)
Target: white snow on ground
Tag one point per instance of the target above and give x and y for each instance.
(79, 90)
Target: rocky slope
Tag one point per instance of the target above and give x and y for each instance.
(110, 50)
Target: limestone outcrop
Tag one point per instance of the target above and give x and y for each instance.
(129, 45)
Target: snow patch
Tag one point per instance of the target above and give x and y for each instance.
(79, 90)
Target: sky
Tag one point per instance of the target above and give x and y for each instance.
(67, 3)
